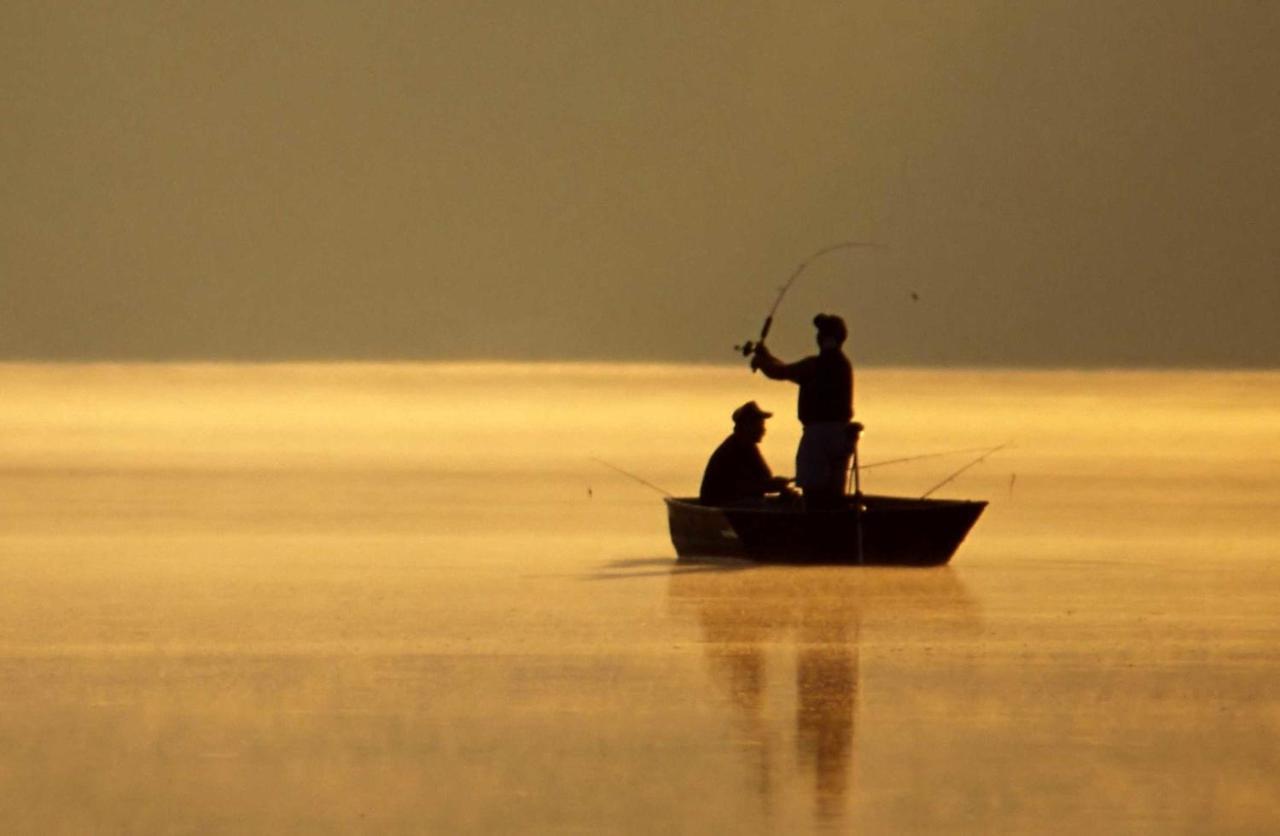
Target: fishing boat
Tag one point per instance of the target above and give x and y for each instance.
(860, 529)
(866, 529)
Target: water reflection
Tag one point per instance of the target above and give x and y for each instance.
(765, 620)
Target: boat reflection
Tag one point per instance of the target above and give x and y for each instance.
(767, 620)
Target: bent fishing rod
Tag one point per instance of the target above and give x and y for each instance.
(749, 347)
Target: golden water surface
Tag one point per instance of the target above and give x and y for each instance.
(404, 599)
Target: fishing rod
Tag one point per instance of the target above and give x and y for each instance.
(748, 347)
(978, 460)
(859, 468)
(634, 477)
(924, 456)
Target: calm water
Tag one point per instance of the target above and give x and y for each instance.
(404, 599)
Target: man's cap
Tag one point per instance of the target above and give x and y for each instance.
(831, 325)
(750, 411)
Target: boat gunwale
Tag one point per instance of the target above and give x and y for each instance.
(894, 504)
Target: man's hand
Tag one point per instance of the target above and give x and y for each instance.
(778, 484)
(760, 356)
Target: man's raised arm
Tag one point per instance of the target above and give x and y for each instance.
(774, 368)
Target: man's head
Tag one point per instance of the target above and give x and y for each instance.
(748, 421)
(831, 331)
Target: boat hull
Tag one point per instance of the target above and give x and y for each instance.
(894, 531)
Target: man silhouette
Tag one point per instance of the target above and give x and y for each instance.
(737, 470)
(825, 409)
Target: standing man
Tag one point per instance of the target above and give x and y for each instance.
(826, 408)
(736, 470)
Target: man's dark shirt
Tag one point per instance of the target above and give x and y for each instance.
(826, 385)
(736, 471)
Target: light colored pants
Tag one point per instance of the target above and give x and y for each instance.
(822, 461)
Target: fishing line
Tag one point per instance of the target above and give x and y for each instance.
(634, 477)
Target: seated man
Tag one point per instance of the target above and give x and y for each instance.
(736, 470)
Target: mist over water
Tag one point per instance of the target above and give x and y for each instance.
(402, 598)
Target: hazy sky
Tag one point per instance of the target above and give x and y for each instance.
(1061, 181)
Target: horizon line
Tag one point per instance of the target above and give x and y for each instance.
(635, 364)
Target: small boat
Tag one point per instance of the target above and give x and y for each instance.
(867, 529)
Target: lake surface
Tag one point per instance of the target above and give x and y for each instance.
(404, 599)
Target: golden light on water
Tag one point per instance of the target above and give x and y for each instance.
(403, 598)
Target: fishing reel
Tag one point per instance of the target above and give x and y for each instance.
(749, 349)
